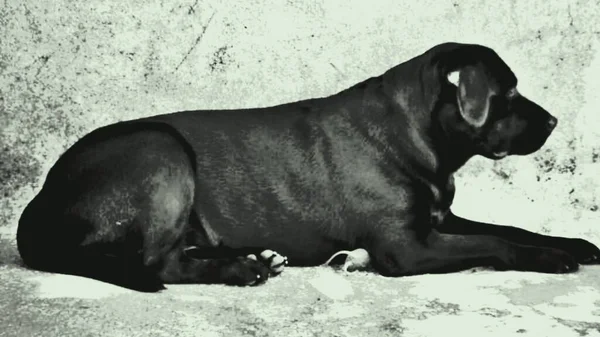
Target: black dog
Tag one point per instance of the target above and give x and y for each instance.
(369, 167)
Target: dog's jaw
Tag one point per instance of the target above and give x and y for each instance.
(499, 155)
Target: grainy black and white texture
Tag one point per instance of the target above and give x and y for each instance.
(68, 67)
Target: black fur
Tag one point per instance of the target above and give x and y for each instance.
(370, 167)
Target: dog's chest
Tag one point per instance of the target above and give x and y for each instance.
(443, 195)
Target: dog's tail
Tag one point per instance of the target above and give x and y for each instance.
(347, 252)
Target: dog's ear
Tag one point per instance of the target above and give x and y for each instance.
(473, 94)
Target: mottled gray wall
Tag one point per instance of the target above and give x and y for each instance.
(67, 67)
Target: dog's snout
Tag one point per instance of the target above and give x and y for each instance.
(551, 123)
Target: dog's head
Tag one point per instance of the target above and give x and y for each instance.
(494, 116)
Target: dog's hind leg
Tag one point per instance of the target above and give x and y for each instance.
(202, 258)
(584, 251)
(239, 270)
(57, 248)
(112, 208)
(202, 242)
(116, 207)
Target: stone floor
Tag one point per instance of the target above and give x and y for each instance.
(319, 301)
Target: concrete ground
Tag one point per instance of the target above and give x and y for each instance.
(67, 67)
(316, 301)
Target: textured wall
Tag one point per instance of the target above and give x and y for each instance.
(67, 67)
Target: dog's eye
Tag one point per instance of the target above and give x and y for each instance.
(512, 93)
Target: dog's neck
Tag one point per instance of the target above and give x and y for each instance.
(431, 123)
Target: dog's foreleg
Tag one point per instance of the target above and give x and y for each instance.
(584, 251)
(406, 254)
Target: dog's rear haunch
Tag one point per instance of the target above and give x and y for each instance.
(370, 167)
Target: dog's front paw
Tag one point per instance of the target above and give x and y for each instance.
(584, 251)
(546, 260)
(273, 260)
(244, 271)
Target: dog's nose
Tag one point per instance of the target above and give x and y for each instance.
(551, 123)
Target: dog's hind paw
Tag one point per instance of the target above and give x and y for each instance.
(273, 260)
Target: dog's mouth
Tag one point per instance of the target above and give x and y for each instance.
(529, 145)
(493, 152)
(499, 154)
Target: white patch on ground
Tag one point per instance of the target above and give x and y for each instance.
(196, 298)
(58, 285)
(271, 313)
(524, 325)
(194, 322)
(483, 288)
(576, 305)
(331, 284)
